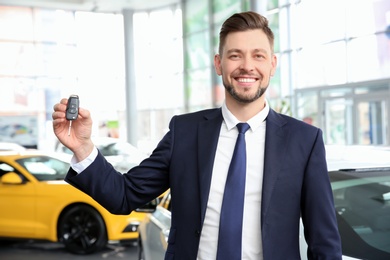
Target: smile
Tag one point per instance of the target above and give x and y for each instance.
(246, 80)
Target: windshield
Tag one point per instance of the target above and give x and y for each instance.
(45, 168)
(362, 201)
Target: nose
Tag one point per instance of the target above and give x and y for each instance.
(247, 64)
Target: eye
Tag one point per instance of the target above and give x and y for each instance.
(259, 56)
(234, 56)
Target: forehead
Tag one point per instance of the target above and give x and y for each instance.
(247, 40)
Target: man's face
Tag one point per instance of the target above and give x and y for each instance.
(246, 65)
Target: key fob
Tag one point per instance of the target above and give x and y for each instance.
(72, 109)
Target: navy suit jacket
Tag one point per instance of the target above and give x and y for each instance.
(295, 184)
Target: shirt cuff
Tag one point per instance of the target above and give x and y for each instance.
(81, 166)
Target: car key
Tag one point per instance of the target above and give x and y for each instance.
(72, 110)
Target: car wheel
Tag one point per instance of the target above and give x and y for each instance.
(141, 254)
(82, 230)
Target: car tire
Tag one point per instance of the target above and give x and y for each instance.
(82, 230)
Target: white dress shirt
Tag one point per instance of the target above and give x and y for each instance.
(255, 141)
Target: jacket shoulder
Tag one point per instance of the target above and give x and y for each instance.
(199, 115)
(285, 120)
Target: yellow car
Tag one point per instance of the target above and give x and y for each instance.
(35, 203)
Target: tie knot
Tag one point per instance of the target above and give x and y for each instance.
(242, 127)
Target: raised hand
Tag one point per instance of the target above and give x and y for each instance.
(78, 140)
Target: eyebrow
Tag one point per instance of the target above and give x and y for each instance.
(255, 51)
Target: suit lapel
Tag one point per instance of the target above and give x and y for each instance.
(275, 152)
(207, 142)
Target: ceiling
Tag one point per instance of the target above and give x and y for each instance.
(110, 6)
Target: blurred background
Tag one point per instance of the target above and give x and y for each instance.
(136, 63)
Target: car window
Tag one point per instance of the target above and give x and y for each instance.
(108, 150)
(45, 168)
(5, 168)
(63, 149)
(362, 202)
(117, 148)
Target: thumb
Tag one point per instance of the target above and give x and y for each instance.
(84, 113)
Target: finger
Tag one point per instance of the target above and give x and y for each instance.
(84, 113)
(59, 107)
(64, 101)
(59, 125)
(58, 115)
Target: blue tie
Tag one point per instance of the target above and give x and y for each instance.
(230, 226)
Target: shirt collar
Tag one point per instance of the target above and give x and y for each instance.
(231, 121)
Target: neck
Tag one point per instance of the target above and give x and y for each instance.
(245, 111)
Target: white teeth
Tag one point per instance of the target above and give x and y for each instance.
(246, 80)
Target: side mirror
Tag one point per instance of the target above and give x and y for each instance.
(149, 207)
(11, 178)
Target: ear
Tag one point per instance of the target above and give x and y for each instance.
(217, 64)
(274, 63)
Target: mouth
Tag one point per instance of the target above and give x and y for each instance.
(246, 79)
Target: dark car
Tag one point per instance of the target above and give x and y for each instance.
(362, 202)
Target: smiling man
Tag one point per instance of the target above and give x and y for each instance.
(241, 176)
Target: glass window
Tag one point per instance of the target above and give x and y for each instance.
(56, 60)
(219, 93)
(383, 52)
(275, 27)
(18, 59)
(272, 4)
(100, 50)
(46, 54)
(158, 35)
(371, 121)
(334, 62)
(199, 89)
(45, 168)
(282, 34)
(197, 16)
(223, 9)
(322, 65)
(372, 51)
(54, 26)
(16, 23)
(215, 39)
(336, 92)
(5, 168)
(308, 71)
(19, 95)
(307, 108)
(338, 121)
(198, 51)
(377, 88)
(246, 5)
(279, 85)
(368, 17)
(313, 24)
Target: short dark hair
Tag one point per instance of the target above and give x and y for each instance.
(240, 22)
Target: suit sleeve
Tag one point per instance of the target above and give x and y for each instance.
(122, 193)
(318, 212)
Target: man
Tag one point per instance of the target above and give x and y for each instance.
(286, 172)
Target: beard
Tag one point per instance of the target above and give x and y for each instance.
(245, 98)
